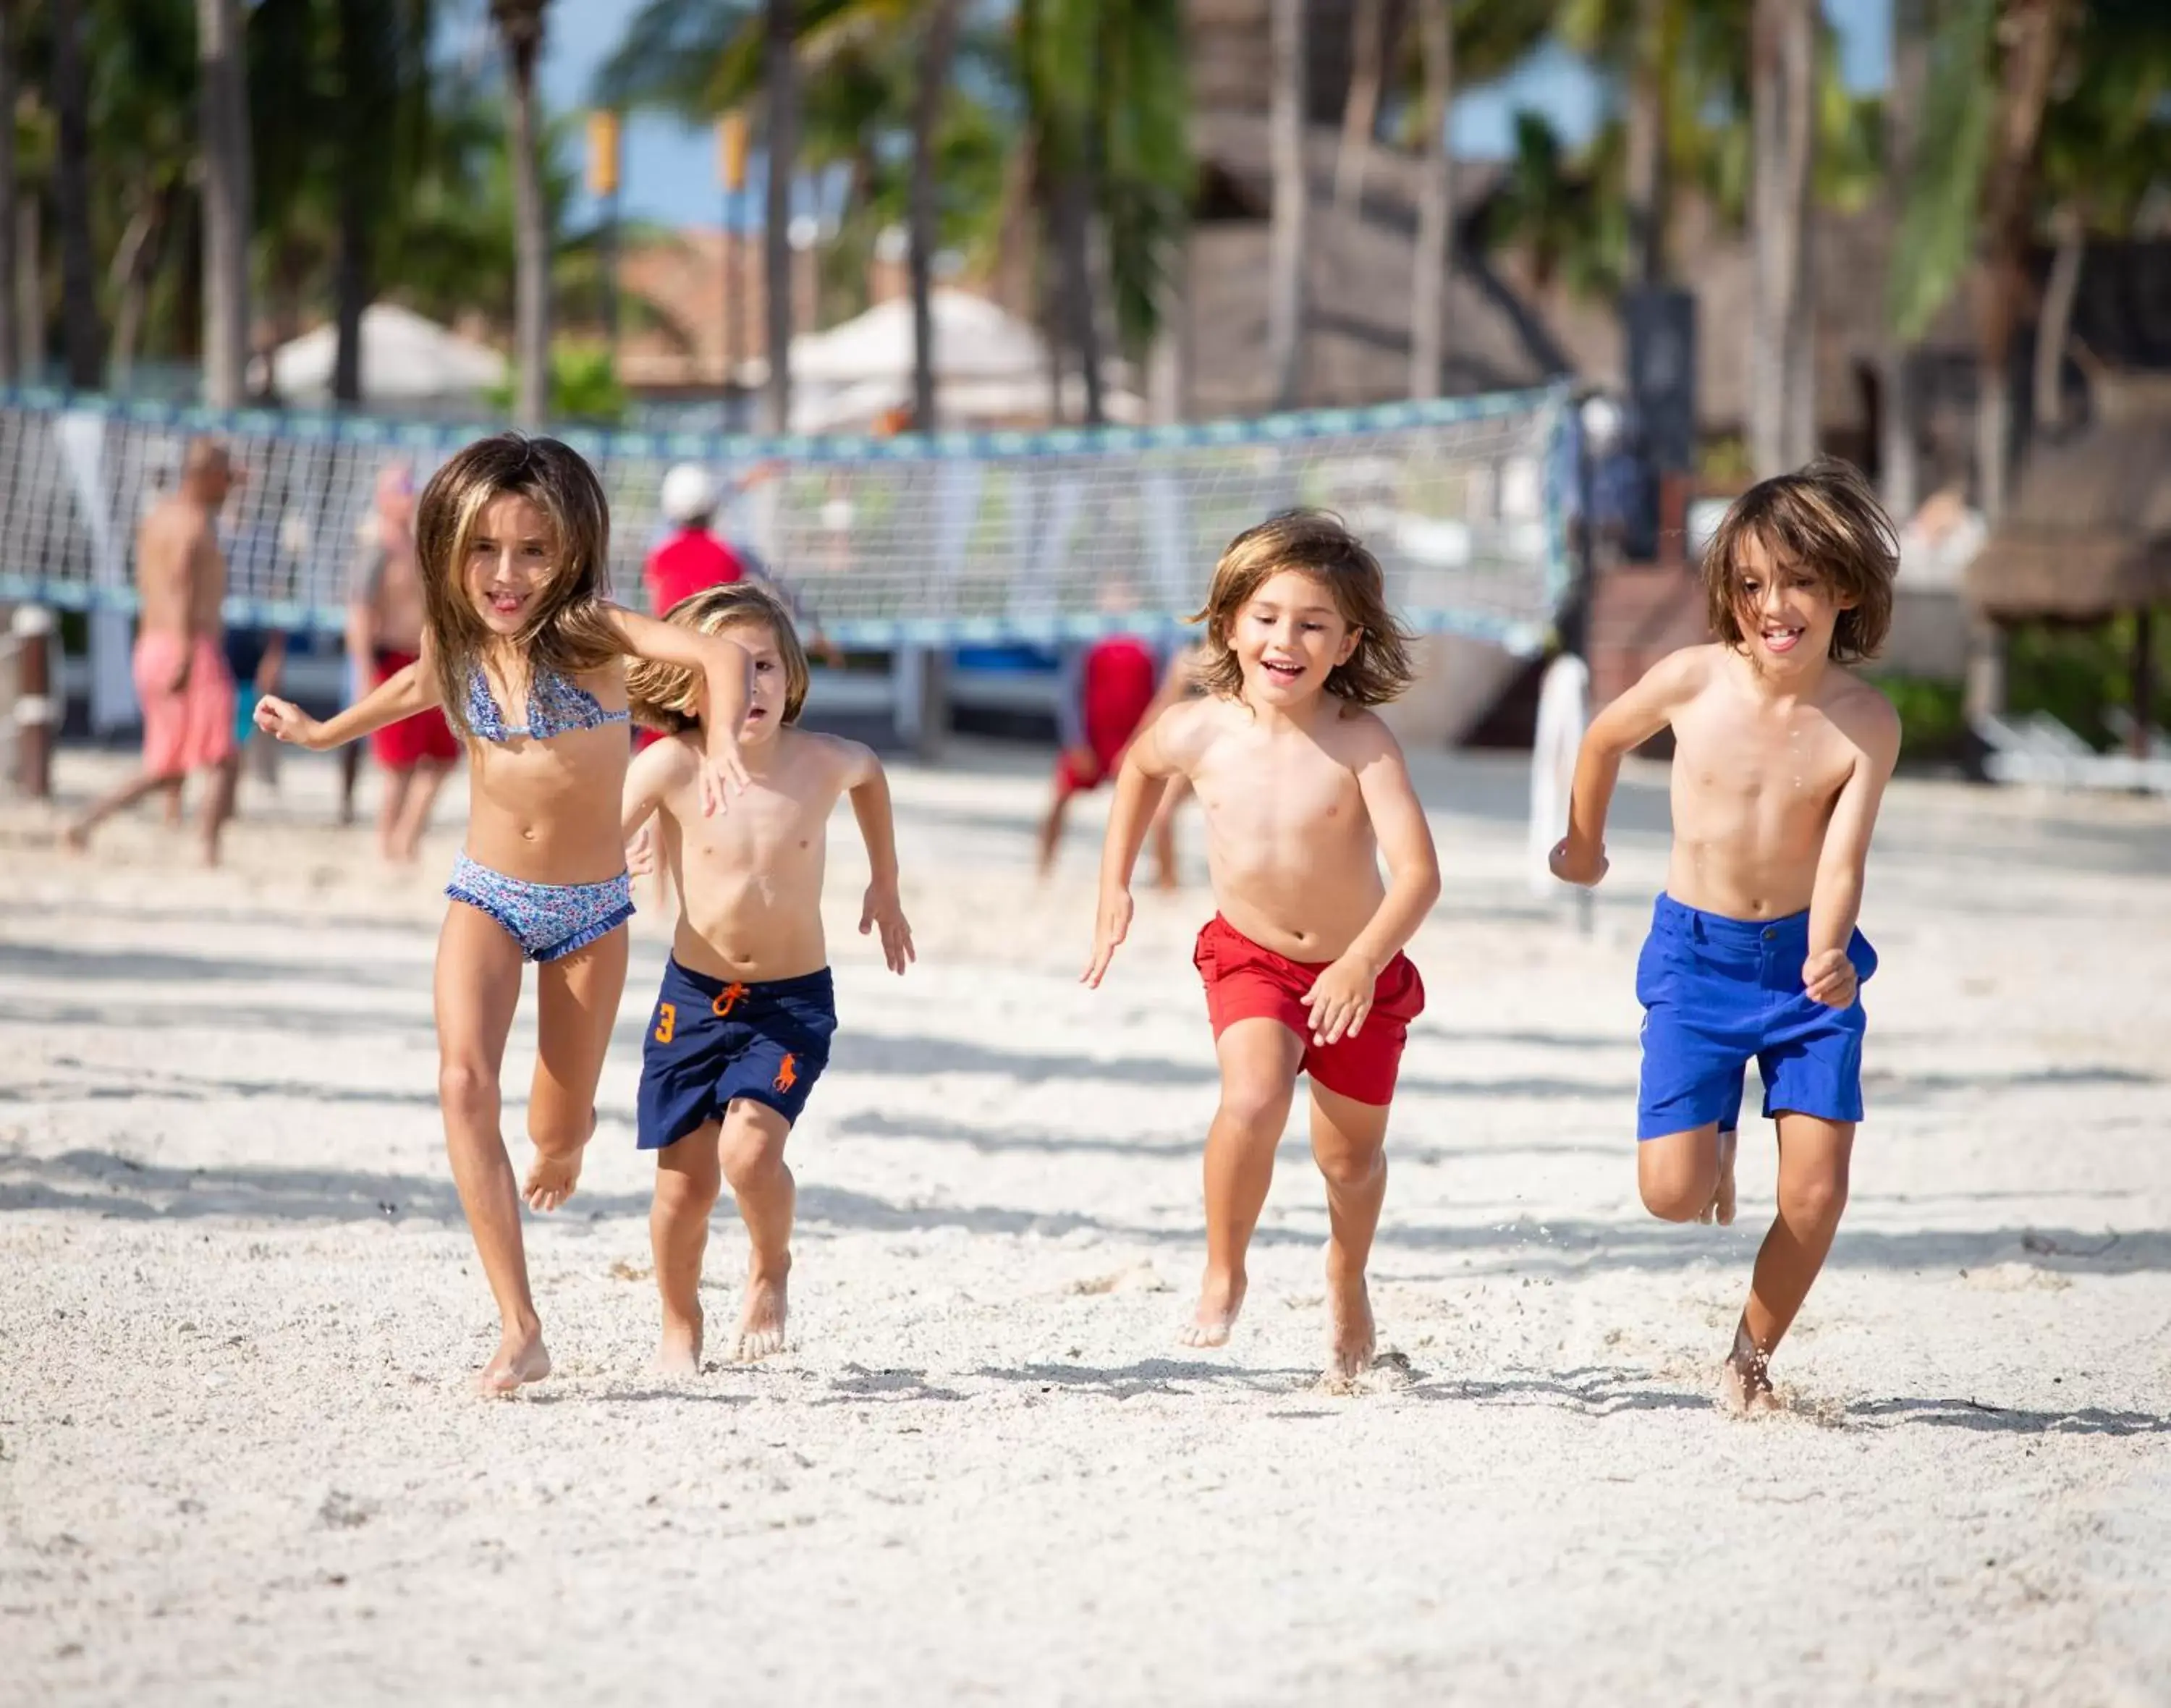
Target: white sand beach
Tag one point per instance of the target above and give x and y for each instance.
(240, 1461)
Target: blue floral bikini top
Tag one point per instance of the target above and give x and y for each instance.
(556, 706)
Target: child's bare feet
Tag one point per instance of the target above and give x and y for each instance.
(519, 1360)
(761, 1323)
(1349, 1321)
(680, 1354)
(554, 1174)
(1745, 1378)
(1721, 1207)
(1220, 1297)
(76, 839)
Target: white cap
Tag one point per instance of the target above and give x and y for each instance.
(688, 493)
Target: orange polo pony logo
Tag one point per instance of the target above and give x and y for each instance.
(729, 1000)
(787, 1075)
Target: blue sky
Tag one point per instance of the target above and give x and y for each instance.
(669, 171)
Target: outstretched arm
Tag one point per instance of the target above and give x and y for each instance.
(1624, 726)
(727, 671)
(401, 695)
(1836, 897)
(882, 908)
(647, 779)
(1147, 767)
(1342, 996)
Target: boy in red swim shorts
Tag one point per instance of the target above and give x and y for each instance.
(1304, 789)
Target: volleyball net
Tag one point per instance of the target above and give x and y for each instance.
(946, 540)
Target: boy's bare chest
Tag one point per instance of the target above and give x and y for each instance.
(1255, 788)
(764, 826)
(1726, 752)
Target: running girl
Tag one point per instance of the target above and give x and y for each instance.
(526, 655)
(741, 1027)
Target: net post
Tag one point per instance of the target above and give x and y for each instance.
(33, 708)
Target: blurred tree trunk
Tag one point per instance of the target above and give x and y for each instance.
(1646, 163)
(223, 101)
(1899, 465)
(1435, 245)
(1783, 319)
(10, 42)
(1285, 241)
(520, 28)
(780, 71)
(2030, 31)
(1360, 112)
(938, 43)
(2056, 323)
(80, 330)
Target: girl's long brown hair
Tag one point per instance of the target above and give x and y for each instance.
(1315, 544)
(571, 631)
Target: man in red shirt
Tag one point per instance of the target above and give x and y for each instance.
(692, 558)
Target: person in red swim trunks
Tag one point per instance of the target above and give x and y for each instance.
(1109, 689)
(1304, 789)
(385, 633)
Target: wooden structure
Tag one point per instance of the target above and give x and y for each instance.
(2088, 536)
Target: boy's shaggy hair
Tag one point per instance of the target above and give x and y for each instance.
(668, 696)
(1826, 518)
(1314, 544)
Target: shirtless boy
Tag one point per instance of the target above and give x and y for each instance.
(1302, 790)
(180, 670)
(741, 1026)
(1780, 757)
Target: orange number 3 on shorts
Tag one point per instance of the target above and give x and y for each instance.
(666, 1021)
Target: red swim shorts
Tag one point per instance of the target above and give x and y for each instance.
(191, 727)
(1120, 678)
(412, 741)
(1245, 981)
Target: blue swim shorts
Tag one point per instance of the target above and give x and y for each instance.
(1717, 991)
(710, 1040)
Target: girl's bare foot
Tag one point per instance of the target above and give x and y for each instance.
(761, 1323)
(680, 1354)
(1745, 1378)
(519, 1360)
(1721, 1207)
(1349, 1321)
(1220, 1297)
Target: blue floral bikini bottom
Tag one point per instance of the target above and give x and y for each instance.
(546, 920)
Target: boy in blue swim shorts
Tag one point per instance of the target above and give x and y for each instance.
(741, 1029)
(1781, 756)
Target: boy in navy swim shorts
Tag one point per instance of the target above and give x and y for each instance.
(1780, 757)
(741, 1029)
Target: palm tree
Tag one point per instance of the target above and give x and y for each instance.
(79, 323)
(1898, 475)
(223, 83)
(780, 74)
(1970, 201)
(1783, 324)
(520, 28)
(1286, 237)
(384, 97)
(1360, 112)
(938, 43)
(1435, 248)
(10, 41)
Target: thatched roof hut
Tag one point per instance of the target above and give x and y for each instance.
(2088, 535)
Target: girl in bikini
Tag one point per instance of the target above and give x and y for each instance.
(527, 656)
